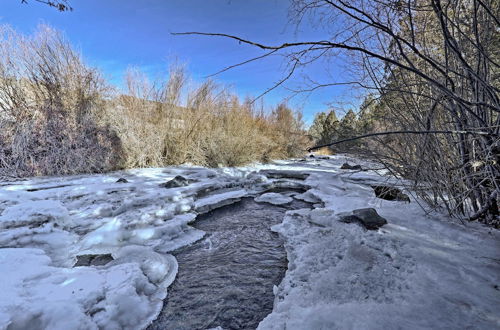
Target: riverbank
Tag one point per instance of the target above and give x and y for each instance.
(418, 271)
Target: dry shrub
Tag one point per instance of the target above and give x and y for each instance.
(209, 126)
(51, 106)
(147, 120)
(58, 116)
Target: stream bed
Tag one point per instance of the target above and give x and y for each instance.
(227, 278)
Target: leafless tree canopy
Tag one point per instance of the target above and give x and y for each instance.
(429, 66)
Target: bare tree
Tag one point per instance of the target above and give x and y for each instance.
(434, 66)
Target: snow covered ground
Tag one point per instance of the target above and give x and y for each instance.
(419, 271)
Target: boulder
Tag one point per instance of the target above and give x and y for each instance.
(122, 180)
(368, 218)
(178, 181)
(390, 193)
(347, 166)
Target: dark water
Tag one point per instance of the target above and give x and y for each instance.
(227, 278)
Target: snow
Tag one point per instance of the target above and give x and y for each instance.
(120, 295)
(422, 270)
(46, 222)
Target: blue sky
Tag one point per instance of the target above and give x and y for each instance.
(116, 34)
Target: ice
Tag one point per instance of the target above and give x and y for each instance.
(45, 223)
(206, 204)
(274, 198)
(34, 213)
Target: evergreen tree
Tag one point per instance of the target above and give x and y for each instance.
(347, 129)
(316, 129)
(325, 127)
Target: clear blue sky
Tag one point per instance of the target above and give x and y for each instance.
(116, 34)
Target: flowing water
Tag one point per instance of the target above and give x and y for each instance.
(227, 278)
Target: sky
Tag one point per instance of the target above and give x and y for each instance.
(114, 35)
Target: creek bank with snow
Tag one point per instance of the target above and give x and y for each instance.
(339, 275)
(227, 278)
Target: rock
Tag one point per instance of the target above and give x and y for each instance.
(277, 174)
(368, 218)
(346, 166)
(390, 193)
(178, 181)
(122, 180)
(93, 260)
(349, 218)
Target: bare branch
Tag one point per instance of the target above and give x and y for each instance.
(61, 5)
(401, 132)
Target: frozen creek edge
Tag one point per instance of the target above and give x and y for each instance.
(339, 276)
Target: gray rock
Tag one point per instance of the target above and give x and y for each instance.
(390, 193)
(347, 166)
(349, 218)
(368, 218)
(93, 260)
(178, 181)
(122, 180)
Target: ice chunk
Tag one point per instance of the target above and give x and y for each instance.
(211, 202)
(274, 198)
(35, 213)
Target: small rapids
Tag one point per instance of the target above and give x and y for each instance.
(227, 278)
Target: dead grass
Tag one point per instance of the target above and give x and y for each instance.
(325, 151)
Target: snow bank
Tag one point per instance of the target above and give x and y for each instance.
(45, 223)
(420, 271)
(121, 295)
